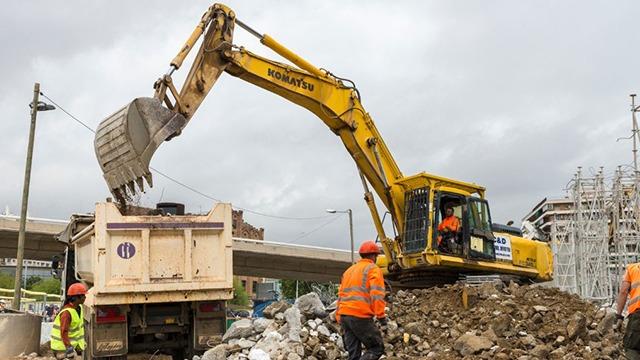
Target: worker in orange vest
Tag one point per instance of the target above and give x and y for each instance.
(630, 290)
(360, 299)
(448, 229)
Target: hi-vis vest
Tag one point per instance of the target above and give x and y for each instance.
(76, 331)
(633, 276)
(361, 292)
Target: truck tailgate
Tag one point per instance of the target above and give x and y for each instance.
(137, 259)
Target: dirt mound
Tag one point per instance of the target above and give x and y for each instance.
(488, 321)
(499, 322)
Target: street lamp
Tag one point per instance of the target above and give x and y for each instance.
(348, 211)
(35, 106)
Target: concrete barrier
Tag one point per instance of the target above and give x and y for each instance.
(20, 333)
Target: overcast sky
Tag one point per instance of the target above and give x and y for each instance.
(513, 95)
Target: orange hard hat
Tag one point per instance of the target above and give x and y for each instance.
(369, 247)
(77, 289)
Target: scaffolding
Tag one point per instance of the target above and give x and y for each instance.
(594, 245)
(625, 232)
(590, 230)
(564, 256)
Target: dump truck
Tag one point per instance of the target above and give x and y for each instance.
(157, 279)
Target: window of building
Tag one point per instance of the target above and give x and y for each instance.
(244, 284)
(254, 286)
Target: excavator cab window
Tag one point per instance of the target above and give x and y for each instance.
(481, 240)
(448, 227)
(417, 219)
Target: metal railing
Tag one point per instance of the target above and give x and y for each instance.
(32, 301)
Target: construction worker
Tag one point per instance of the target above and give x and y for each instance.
(448, 229)
(360, 299)
(630, 290)
(67, 333)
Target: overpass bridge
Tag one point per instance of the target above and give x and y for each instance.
(250, 257)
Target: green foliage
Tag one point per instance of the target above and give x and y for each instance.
(328, 292)
(49, 286)
(32, 280)
(288, 288)
(6, 280)
(240, 294)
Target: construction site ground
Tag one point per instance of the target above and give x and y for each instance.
(499, 322)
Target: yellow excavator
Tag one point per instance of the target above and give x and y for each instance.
(421, 252)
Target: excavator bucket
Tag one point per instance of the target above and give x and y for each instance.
(126, 141)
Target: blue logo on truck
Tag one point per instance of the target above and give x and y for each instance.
(126, 250)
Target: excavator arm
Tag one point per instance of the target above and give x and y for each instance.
(124, 148)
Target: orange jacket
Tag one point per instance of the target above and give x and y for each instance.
(632, 275)
(451, 222)
(361, 292)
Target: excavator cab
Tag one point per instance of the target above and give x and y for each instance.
(474, 238)
(425, 211)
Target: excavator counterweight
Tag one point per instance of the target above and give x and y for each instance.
(126, 141)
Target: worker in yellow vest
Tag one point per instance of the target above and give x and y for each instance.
(67, 333)
(630, 290)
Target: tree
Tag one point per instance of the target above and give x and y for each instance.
(49, 286)
(288, 288)
(328, 292)
(240, 294)
(6, 280)
(32, 280)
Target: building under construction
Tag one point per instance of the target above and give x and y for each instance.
(594, 231)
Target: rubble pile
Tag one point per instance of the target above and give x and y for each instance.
(287, 332)
(500, 322)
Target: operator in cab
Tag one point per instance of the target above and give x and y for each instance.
(67, 333)
(360, 300)
(448, 230)
(630, 290)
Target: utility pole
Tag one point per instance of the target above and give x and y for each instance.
(17, 295)
(634, 132)
(353, 260)
(36, 106)
(348, 211)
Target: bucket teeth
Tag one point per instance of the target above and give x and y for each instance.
(132, 187)
(140, 183)
(118, 195)
(123, 191)
(149, 179)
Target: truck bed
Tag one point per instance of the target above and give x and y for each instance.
(155, 258)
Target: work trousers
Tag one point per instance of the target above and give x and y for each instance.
(360, 331)
(631, 341)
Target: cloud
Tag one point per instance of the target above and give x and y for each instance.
(510, 95)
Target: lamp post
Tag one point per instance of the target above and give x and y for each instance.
(348, 211)
(35, 107)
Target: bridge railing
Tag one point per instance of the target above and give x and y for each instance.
(31, 301)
